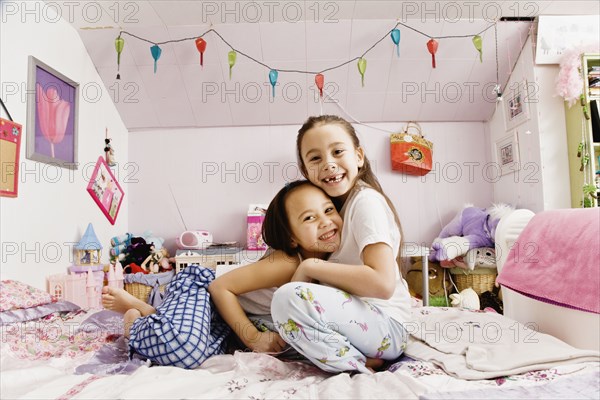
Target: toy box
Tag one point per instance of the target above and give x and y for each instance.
(256, 216)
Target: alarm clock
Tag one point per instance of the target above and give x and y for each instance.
(194, 240)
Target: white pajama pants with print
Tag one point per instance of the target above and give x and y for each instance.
(333, 329)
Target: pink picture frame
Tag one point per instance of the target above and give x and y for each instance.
(105, 190)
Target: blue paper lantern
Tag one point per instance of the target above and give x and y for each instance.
(395, 34)
(156, 52)
(273, 74)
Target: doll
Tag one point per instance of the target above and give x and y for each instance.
(109, 153)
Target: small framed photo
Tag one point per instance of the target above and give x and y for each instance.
(507, 153)
(105, 190)
(52, 116)
(516, 105)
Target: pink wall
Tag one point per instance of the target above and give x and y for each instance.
(216, 172)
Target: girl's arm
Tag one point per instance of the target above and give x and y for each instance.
(375, 278)
(272, 271)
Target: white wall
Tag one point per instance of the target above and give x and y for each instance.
(53, 207)
(215, 173)
(542, 183)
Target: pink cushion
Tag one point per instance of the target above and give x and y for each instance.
(16, 295)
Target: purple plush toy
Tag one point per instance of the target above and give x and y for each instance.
(471, 228)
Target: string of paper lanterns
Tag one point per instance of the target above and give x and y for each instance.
(395, 35)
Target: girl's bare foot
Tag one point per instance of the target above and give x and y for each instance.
(120, 300)
(128, 318)
(374, 364)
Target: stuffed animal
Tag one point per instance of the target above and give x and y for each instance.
(157, 260)
(414, 278)
(481, 257)
(128, 248)
(136, 252)
(466, 299)
(471, 228)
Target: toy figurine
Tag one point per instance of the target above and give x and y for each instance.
(109, 153)
(466, 299)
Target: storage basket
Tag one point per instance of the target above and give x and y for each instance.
(140, 285)
(480, 280)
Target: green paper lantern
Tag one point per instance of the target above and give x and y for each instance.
(477, 42)
(232, 56)
(119, 44)
(362, 67)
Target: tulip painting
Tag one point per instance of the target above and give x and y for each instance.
(53, 113)
(52, 133)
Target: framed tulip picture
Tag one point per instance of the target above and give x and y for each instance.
(52, 116)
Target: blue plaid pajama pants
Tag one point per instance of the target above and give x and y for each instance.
(185, 331)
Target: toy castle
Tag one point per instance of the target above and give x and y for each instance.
(83, 286)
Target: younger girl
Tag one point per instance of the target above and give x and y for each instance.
(353, 321)
(301, 222)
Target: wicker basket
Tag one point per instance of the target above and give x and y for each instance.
(480, 280)
(143, 284)
(141, 291)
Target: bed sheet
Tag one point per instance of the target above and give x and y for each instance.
(82, 355)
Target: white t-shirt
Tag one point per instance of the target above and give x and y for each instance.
(257, 302)
(368, 220)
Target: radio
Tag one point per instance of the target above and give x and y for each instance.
(194, 240)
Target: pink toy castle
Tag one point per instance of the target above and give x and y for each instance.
(84, 289)
(83, 286)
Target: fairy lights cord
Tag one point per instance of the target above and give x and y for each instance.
(119, 44)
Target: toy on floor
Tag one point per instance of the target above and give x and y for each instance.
(482, 257)
(492, 300)
(414, 278)
(471, 228)
(466, 299)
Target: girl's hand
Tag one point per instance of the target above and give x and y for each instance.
(302, 272)
(267, 342)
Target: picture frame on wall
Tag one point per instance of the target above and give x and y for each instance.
(52, 116)
(558, 33)
(516, 105)
(507, 153)
(105, 190)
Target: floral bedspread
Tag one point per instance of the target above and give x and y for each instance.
(58, 335)
(81, 355)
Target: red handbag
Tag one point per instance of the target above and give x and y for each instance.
(411, 154)
(10, 143)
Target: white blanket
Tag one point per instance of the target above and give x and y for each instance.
(481, 345)
(243, 375)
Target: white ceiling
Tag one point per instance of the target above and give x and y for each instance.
(310, 36)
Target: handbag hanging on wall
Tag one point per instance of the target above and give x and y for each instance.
(10, 144)
(411, 153)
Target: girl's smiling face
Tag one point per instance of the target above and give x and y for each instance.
(330, 159)
(315, 224)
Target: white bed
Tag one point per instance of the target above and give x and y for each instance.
(64, 356)
(45, 360)
(578, 328)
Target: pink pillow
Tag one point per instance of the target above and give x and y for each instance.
(16, 295)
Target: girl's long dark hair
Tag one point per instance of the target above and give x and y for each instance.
(365, 173)
(276, 230)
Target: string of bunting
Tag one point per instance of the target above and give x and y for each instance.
(394, 33)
